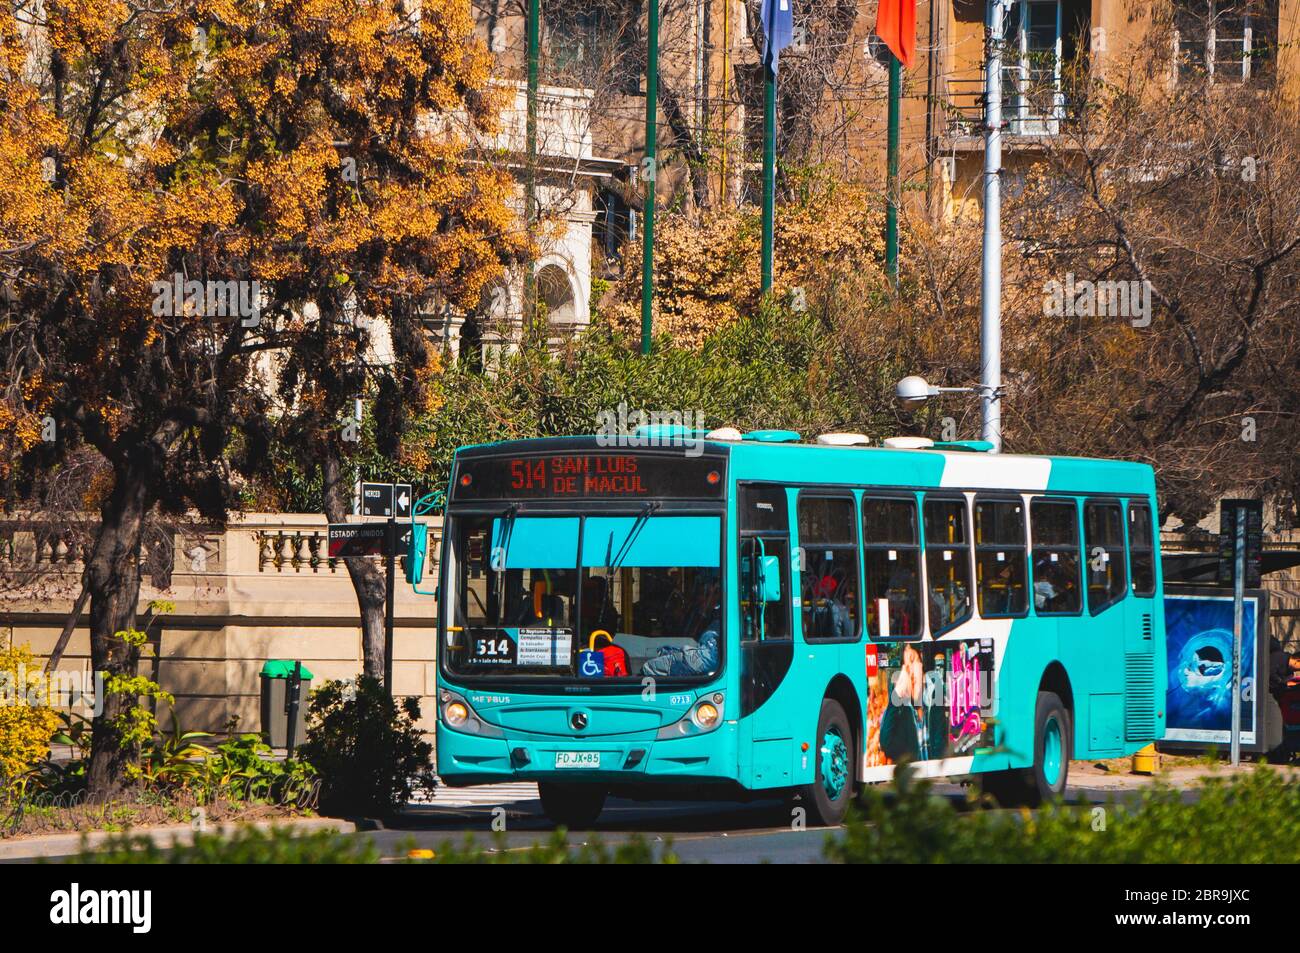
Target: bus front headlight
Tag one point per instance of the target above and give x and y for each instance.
(703, 717)
(455, 713)
(459, 714)
(706, 716)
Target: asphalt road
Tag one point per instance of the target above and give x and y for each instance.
(714, 832)
(698, 831)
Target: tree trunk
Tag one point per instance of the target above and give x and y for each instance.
(113, 580)
(367, 580)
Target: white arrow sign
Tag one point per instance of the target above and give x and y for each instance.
(402, 499)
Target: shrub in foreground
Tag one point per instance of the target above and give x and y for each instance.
(247, 845)
(555, 850)
(366, 747)
(1251, 818)
(284, 845)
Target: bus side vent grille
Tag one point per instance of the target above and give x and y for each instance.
(1139, 698)
(1146, 625)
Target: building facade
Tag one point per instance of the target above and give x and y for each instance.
(832, 98)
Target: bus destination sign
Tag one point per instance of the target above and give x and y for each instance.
(597, 475)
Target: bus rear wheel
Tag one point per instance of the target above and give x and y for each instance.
(575, 806)
(828, 797)
(1053, 747)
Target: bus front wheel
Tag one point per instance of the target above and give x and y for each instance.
(828, 797)
(575, 806)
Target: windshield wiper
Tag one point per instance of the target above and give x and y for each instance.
(626, 549)
(507, 530)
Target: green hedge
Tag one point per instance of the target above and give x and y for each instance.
(284, 845)
(1252, 818)
(247, 845)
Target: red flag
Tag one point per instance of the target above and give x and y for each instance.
(896, 26)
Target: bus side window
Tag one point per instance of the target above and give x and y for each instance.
(1103, 535)
(892, 557)
(1000, 558)
(829, 542)
(1054, 526)
(764, 519)
(1141, 549)
(947, 563)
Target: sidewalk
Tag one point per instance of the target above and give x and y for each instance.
(64, 845)
(1110, 777)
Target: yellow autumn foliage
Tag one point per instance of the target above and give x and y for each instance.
(27, 722)
(707, 269)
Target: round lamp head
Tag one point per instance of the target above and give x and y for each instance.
(913, 391)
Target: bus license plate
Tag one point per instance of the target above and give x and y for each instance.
(577, 759)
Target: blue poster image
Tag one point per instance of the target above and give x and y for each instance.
(1199, 644)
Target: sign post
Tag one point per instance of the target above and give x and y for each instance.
(394, 502)
(390, 557)
(1238, 600)
(1241, 531)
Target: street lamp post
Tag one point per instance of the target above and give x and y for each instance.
(991, 270)
(649, 172)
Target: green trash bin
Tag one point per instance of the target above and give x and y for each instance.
(275, 693)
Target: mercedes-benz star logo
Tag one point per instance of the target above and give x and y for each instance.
(579, 720)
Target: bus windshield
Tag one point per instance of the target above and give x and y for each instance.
(642, 598)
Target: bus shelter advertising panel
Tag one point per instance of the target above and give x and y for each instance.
(1199, 653)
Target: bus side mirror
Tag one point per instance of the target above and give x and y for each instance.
(416, 553)
(769, 578)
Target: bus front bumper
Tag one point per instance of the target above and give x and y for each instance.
(465, 759)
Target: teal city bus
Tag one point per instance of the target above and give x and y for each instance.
(751, 616)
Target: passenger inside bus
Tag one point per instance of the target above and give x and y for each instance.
(597, 605)
(901, 604)
(543, 602)
(948, 603)
(829, 619)
(1055, 588)
(701, 658)
(687, 659)
(652, 614)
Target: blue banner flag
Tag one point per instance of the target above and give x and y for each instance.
(778, 28)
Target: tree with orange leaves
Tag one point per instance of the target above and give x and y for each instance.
(354, 123)
(203, 199)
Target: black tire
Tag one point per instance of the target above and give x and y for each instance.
(1029, 787)
(574, 806)
(1050, 713)
(823, 809)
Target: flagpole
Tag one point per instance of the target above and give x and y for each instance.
(530, 183)
(769, 173)
(649, 174)
(891, 210)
